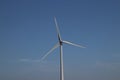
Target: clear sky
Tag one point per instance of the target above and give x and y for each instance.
(27, 32)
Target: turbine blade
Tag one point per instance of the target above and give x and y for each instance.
(55, 46)
(58, 31)
(67, 42)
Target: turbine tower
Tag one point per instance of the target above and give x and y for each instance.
(60, 44)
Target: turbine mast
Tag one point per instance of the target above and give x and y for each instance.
(61, 63)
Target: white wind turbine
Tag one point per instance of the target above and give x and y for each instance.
(59, 44)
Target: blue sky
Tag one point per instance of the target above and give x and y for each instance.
(27, 32)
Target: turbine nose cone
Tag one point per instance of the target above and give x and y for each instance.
(61, 42)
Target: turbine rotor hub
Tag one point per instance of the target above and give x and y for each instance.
(60, 42)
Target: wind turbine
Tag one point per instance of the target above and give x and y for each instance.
(60, 44)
